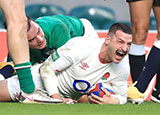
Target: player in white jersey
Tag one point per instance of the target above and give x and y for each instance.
(76, 67)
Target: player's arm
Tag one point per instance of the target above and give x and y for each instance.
(121, 92)
(83, 99)
(59, 61)
(120, 84)
(118, 97)
(49, 79)
(107, 99)
(54, 64)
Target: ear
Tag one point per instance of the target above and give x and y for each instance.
(107, 39)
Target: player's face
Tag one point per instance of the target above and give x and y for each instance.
(119, 46)
(36, 37)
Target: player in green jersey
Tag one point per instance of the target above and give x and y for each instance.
(48, 33)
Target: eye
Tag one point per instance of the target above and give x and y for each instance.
(38, 31)
(31, 40)
(120, 41)
(129, 44)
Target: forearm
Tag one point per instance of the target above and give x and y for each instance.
(83, 99)
(120, 99)
(49, 79)
(56, 96)
(114, 100)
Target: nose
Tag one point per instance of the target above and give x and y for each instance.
(125, 47)
(39, 38)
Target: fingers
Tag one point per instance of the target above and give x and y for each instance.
(95, 99)
(106, 92)
(68, 101)
(98, 100)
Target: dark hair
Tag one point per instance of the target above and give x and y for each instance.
(120, 26)
(29, 19)
(5, 25)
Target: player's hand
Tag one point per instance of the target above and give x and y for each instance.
(69, 101)
(56, 96)
(83, 99)
(107, 98)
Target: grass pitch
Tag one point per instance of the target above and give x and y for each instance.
(147, 108)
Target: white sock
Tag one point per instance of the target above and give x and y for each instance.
(157, 43)
(137, 49)
(1, 77)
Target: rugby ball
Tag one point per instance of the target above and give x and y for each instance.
(98, 91)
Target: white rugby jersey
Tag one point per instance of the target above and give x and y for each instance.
(78, 68)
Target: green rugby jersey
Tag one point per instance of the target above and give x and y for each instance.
(58, 29)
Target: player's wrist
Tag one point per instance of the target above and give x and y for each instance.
(56, 96)
(83, 99)
(25, 77)
(89, 100)
(22, 65)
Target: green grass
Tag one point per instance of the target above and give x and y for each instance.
(147, 108)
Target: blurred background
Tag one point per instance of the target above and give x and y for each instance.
(101, 13)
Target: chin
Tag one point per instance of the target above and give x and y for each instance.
(117, 61)
(41, 48)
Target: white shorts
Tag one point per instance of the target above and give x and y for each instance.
(13, 82)
(89, 29)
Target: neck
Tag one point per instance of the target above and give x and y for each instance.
(104, 54)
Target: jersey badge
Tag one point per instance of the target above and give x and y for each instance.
(55, 56)
(83, 65)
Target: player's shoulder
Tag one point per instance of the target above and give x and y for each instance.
(82, 44)
(85, 41)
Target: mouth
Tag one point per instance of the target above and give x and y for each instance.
(41, 44)
(120, 54)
